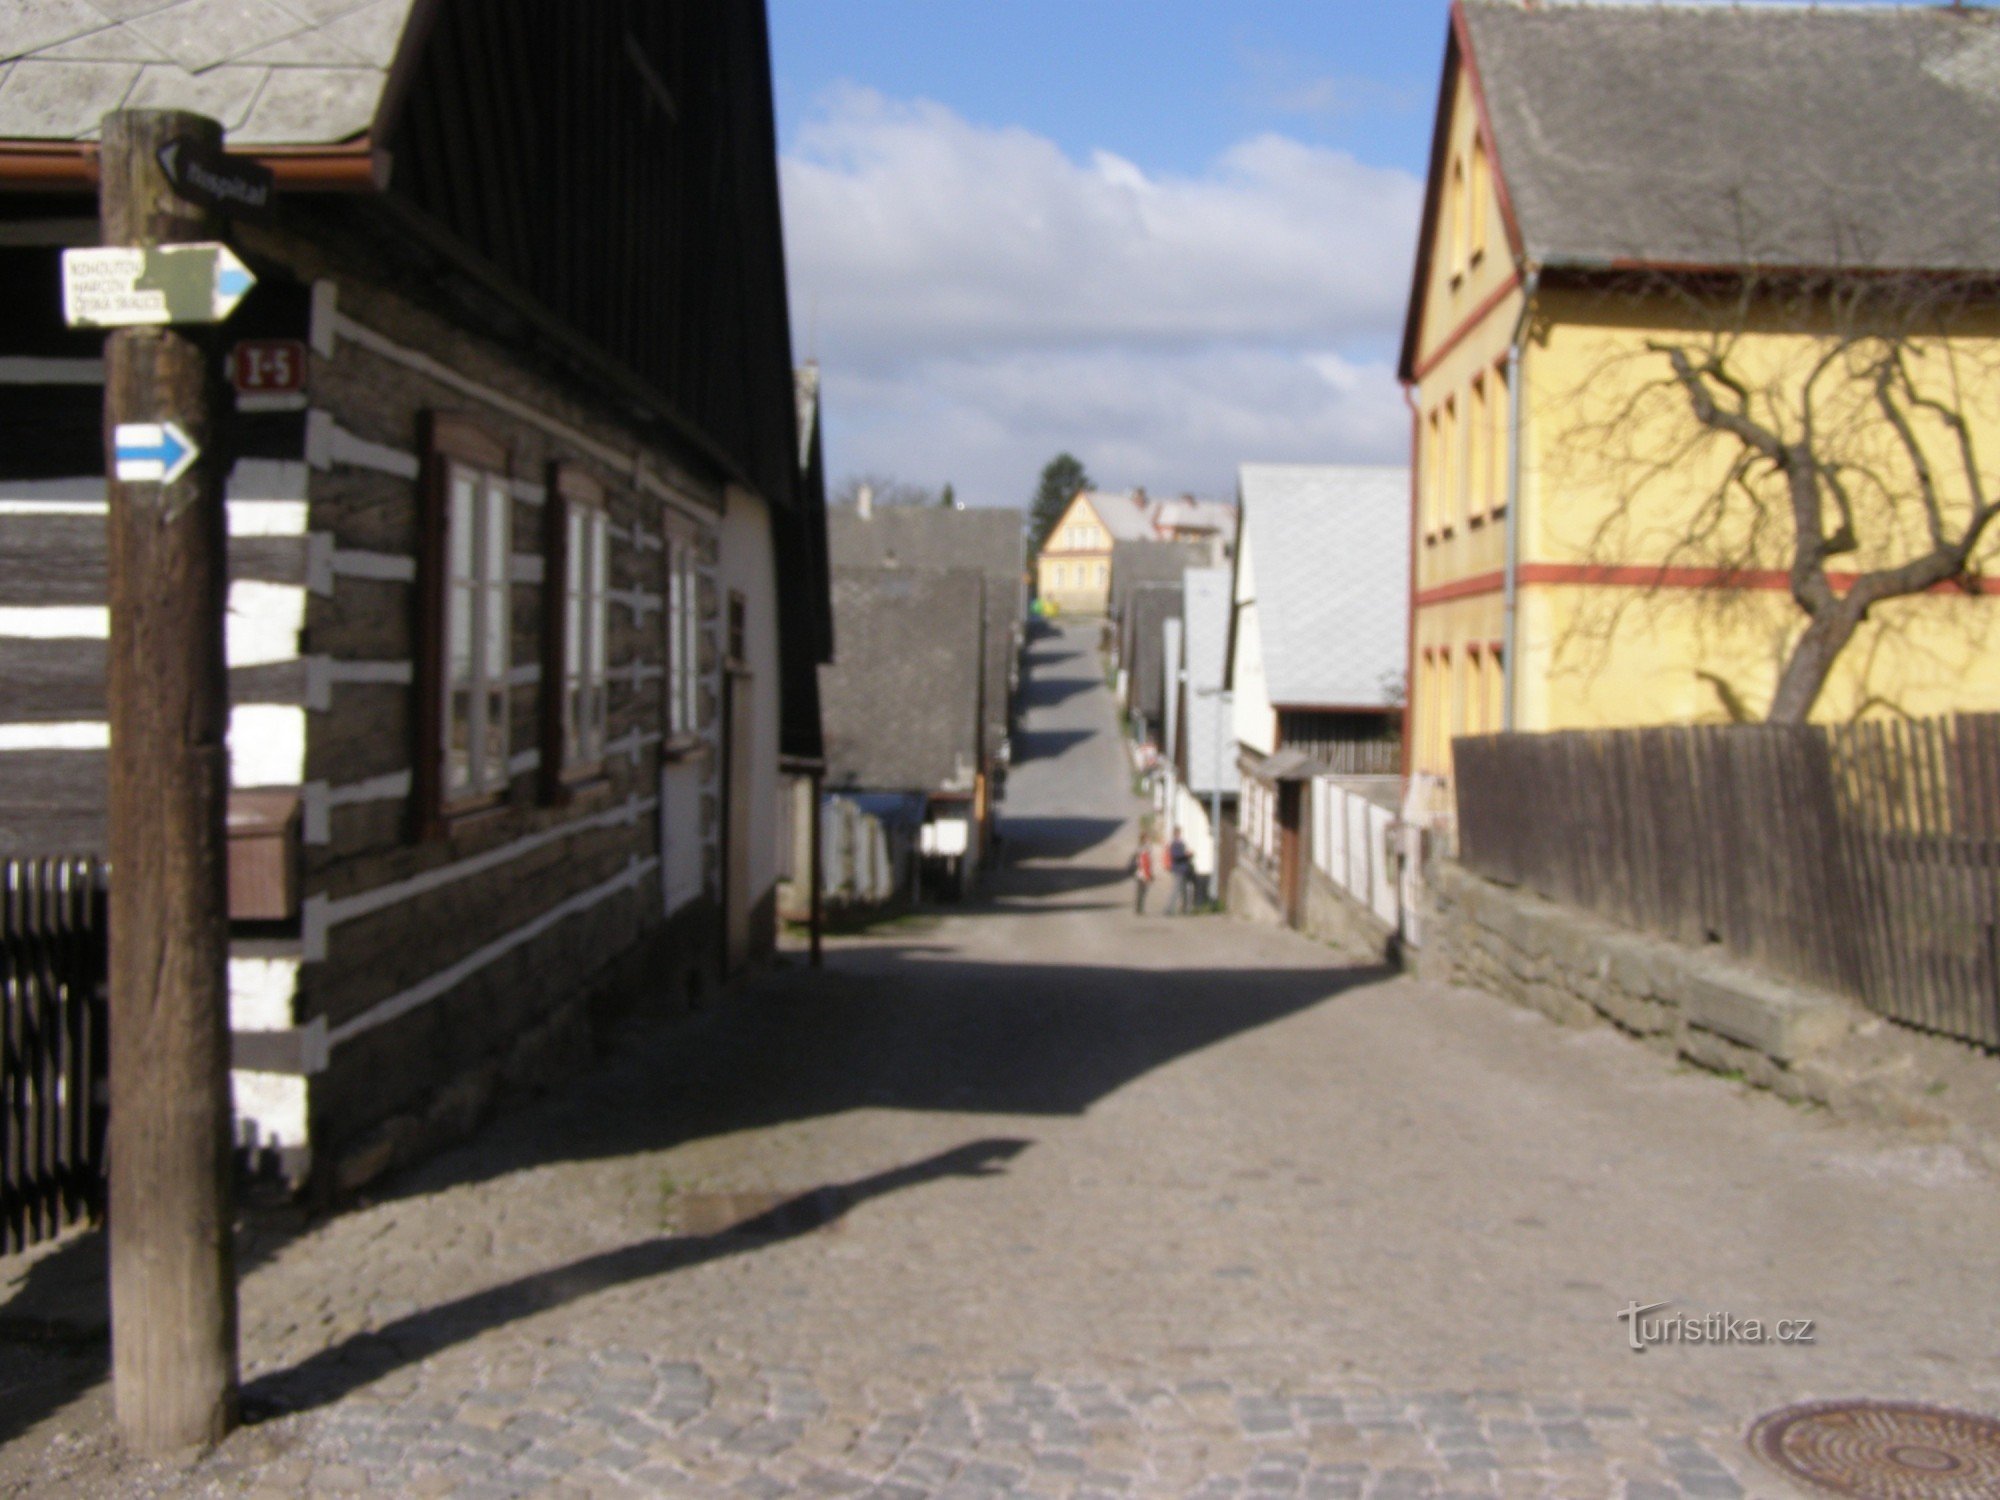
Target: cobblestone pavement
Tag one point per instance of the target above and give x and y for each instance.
(1045, 1198)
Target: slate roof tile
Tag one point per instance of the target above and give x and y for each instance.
(64, 100)
(303, 103)
(276, 72)
(1760, 135)
(899, 700)
(199, 34)
(223, 94)
(30, 27)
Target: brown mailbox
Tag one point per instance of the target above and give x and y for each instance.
(263, 856)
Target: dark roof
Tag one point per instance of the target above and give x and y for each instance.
(1149, 609)
(1730, 135)
(929, 536)
(1142, 562)
(900, 702)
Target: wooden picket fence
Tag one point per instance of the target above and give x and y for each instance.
(1864, 858)
(54, 1027)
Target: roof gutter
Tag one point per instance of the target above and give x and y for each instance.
(1511, 584)
(54, 166)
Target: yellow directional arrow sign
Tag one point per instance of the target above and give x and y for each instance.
(115, 287)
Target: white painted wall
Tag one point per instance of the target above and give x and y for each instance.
(747, 563)
(1255, 720)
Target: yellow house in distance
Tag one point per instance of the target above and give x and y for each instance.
(1073, 569)
(1703, 346)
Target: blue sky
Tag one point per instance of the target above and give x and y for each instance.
(1168, 85)
(1169, 236)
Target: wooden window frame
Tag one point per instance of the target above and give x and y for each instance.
(451, 443)
(573, 492)
(1499, 405)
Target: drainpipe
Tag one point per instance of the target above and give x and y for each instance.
(1511, 587)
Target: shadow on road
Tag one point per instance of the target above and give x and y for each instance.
(54, 1334)
(1047, 744)
(345, 1367)
(1048, 692)
(1055, 838)
(911, 1026)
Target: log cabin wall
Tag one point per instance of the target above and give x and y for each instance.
(424, 972)
(437, 966)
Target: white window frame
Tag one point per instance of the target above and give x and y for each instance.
(578, 669)
(476, 648)
(683, 631)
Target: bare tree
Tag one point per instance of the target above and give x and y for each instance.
(1826, 427)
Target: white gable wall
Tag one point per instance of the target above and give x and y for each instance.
(1256, 721)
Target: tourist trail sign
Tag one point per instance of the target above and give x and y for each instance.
(151, 452)
(115, 286)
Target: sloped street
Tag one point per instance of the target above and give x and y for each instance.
(1042, 1197)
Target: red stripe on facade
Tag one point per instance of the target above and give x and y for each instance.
(1653, 577)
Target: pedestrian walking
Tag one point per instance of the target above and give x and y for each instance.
(1142, 874)
(1180, 864)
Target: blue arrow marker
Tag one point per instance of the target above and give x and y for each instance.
(152, 452)
(232, 282)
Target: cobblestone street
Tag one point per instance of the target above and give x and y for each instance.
(1042, 1197)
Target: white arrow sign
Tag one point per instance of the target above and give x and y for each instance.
(152, 452)
(112, 286)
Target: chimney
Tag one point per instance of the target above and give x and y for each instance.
(864, 502)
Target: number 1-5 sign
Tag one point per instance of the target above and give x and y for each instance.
(264, 367)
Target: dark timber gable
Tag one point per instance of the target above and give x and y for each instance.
(615, 165)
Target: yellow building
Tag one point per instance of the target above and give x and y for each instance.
(1073, 569)
(1610, 184)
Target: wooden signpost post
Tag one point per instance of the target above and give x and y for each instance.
(173, 1284)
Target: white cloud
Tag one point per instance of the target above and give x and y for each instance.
(979, 300)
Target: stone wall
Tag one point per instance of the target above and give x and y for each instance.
(1692, 1003)
(1331, 915)
(1335, 917)
(1578, 969)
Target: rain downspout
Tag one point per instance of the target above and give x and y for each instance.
(1511, 585)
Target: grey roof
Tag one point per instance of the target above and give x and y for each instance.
(1746, 135)
(899, 702)
(1147, 561)
(1147, 686)
(274, 72)
(929, 536)
(1329, 553)
(1186, 513)
(1210, 734)
(1125, 513)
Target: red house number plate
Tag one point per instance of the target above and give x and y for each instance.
(259, 367)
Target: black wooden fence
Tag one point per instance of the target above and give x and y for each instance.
(1862, 858)
(53, 1032)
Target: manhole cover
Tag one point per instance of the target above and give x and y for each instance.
(1882, 1450)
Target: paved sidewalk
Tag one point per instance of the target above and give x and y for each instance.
(1043, 1198)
